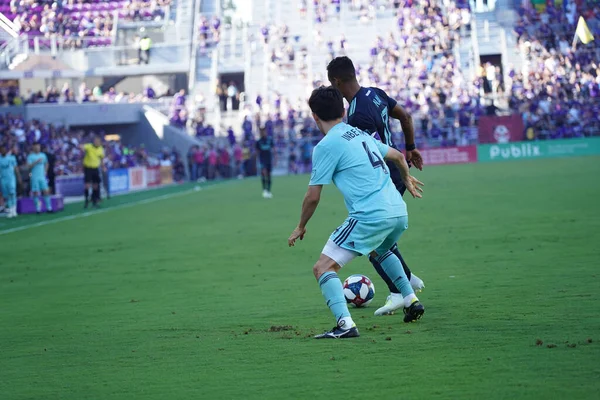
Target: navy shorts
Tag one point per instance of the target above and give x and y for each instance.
(266, 164)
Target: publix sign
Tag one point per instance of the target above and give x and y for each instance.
(539, 149)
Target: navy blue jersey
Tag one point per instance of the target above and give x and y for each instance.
(369, 111)
(265, 149)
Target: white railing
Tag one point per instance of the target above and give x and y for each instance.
(8, 26)
(194, 52)
(475, 43)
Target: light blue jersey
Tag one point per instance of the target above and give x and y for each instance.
(39, 170)
(7, 169)
(353, 160)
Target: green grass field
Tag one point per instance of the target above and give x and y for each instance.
(175, 298)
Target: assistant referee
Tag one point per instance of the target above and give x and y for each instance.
(92, 160)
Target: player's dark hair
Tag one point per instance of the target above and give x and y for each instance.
(342, 69)
(327, 103)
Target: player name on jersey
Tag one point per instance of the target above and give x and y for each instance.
(352, 134)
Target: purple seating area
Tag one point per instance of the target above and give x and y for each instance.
(558, 90)
(81, 24)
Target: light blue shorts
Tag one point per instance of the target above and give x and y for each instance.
(39, 185)
(363, 237)
(9, 188)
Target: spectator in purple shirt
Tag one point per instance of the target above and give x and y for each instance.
(149, 93)
(231, 136)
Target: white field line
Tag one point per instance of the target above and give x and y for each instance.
(99, 211)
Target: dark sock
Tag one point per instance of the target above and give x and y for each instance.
(86, 194)
(395, 250)
(95, 195)
(264, 182)
(388, 281)
(269, 183)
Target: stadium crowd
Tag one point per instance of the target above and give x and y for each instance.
(80, 23)
(10, 96)
(558, 90)
(209, 32)
(415, 64)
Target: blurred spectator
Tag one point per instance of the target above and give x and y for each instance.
(145, 46)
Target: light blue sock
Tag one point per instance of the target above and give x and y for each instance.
(332, 290)
(38, 203)
(48, 203)
(393, 268)
(11, 201)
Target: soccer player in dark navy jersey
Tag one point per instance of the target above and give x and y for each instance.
(370, 109)
(264, 146)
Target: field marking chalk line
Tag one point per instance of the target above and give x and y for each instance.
(102, 210)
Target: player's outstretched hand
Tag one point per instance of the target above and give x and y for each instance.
(297, 234)
(414, 186)
(414, 156)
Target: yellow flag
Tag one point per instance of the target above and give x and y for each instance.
(583, 32)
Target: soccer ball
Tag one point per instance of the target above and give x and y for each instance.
(359, 290)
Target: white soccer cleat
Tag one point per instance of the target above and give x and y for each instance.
(269, 195)
(265, 194)
(416, 283)
(393, 302)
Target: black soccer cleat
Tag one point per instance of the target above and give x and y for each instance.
(414, 312)
(339, 333)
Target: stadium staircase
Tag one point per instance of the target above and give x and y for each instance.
(184, 19)
(493, 35)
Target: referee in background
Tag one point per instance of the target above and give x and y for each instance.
(92, 161)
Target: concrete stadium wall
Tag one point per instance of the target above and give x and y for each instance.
(74, 114)
(158, 124)
(84, 114)
(37, 84)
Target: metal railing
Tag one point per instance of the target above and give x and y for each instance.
(161, 53)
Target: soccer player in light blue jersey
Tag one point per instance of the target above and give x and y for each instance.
(9, 174)
(38, 164)
(354, 162)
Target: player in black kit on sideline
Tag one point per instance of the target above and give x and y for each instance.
(264, 146)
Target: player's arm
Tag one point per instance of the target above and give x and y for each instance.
(31, 164)
(102, 163)
(324, 164)
(413, 185)
(18, 174)
(309, 206)
(412, 154)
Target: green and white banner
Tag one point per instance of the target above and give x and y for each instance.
(539, 149)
